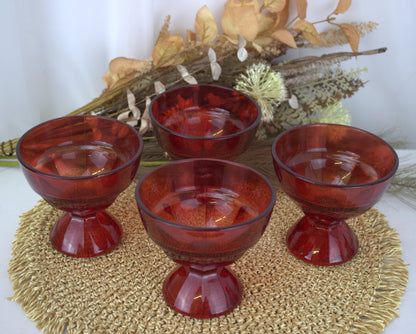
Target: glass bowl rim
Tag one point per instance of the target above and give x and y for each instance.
(36, 171)
(263, 214)
(247, 129)
(306, 179)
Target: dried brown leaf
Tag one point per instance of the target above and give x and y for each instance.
(282, 17)
(205, 25)
(265, 28)
(309, 32)
(301, 6)
(352, 35)
(190, 36)
(265, 22)
(225, 39)
(343, 6)
(164, 52)
(285, 36)
(164, 31)
(242, 3)
(120, 67)
(108, 80)
(274, 6)
(240, 18)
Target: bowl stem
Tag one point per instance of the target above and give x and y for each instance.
(321, 241)
(202, 294)
(85, 236)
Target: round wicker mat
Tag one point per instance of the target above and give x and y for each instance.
(121, 292)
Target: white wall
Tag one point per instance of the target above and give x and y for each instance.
(54, 53)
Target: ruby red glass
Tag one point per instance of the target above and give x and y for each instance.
(204, 121)
(80, 164)
(204, 213)
(333, 172)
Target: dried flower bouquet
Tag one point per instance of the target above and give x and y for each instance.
(245, 56)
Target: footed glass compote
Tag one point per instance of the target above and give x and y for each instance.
(204, 121)
(80, 164)
(333, 172)
(204, 213)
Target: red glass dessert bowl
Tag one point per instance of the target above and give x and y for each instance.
(80, 164)
(204, 213)
(204, 121)
(333, 172)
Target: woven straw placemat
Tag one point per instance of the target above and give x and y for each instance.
(121, 292)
